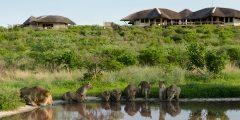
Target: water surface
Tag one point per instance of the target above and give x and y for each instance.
(136, 111)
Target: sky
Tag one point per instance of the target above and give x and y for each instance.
(95, 12)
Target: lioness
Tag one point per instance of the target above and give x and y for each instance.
(144, 87)
(79, 95)
(130, 92)
(115, 95)
(173, 92)
(36, 96)
(69, 96)
(162, 91)
(106, 96)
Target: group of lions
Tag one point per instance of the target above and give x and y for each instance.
(165, 93)
(37, 96)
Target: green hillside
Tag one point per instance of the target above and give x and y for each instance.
(203, 60)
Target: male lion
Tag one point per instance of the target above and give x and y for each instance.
(130, 92)
(173, 92)
(36, 96)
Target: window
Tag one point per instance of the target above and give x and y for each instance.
(226, 20)
(158, 20)
(146, 20)
(48, 26)
(231, 19)
(142, 20)
(221, 19)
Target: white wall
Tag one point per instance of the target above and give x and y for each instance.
(138, 23)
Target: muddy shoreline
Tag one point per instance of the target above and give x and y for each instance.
(97, 99)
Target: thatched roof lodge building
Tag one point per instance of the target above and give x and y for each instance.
(160, 16)
(215, 15)
(155, 16)
(48, 22)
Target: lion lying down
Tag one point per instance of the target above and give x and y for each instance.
(36, 96)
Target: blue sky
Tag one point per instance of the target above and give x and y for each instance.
(88, 12)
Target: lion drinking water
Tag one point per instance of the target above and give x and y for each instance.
(36, 96)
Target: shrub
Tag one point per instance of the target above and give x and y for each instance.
(177, 56)
(215, 61)
(112, 65)
(153, 56)
(196, 53)
(234, 55)
(9, 100)
(119, 55)
(177, 38)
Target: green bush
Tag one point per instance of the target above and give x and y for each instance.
(153, 56)
(9, 100)
(196, 52)
(234, 55)
(119, 55)
(215, 61)
(177, 56)
(112, 65)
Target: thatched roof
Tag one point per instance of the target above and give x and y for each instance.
(138, 15)
(153, 13)
(48, 19)
(185, 13)
(214, 12)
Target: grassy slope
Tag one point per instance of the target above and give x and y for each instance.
(62, 82)
(18, 69)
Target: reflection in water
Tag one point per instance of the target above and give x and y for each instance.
(171, 108)
(145, 110)
(81, 109)
(40, 114)
(135, 110)
(208, 115)
(131, 108)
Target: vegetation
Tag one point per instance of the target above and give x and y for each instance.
(9, 99)
(203, 60)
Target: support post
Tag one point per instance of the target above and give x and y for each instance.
(212, 20)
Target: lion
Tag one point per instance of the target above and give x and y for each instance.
(130, 92)
(69, 97)
(81, 92)
(173, 92)
(79, 95)
(144, 87)
(36, 96)
(115, 95)
(162, 91)
(106, 96)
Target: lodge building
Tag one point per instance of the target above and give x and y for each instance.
(160, 16)
(48, 22)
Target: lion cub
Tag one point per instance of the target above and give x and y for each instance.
(144, 87)
(173, 91)
(130, 92)
(36, 96)
(162, 91)
(79, 95)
